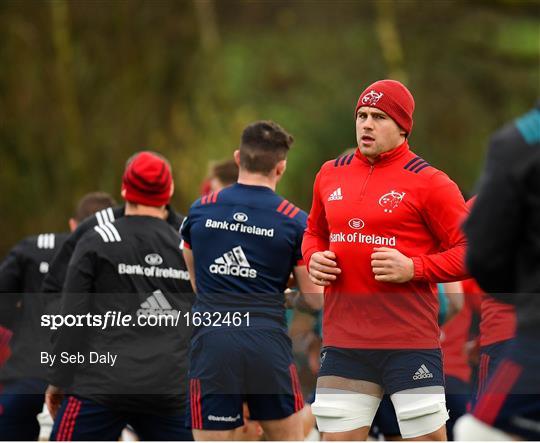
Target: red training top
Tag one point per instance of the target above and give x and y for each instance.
(454, 335)
(399, 202)
(497, 320)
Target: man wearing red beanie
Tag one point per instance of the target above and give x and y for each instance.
(383, 228)
(131, 370)
(147, 181)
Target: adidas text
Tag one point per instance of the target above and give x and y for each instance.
(235, 263)
(422, 373)
(422, 376)
(235, 270)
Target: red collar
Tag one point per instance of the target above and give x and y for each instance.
(386, 157)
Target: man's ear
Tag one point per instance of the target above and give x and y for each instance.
(172, 189)
(72, 224)
(236, 156)
(123, 193)
(281, 167)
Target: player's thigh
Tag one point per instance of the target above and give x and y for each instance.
(206, 435)
(289, 428)
(421, 413)
(80, 419)
(348, 393)
(415, 382)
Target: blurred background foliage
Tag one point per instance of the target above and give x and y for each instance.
(85, 83)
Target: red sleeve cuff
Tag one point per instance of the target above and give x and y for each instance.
(300, 262)
(307, 256)
(418, 264)
(186, 245)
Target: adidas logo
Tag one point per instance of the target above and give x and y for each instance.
(336, 195)
(105, 216)
(108, 232)
(156, 305)
(422, 373)
(233, 263)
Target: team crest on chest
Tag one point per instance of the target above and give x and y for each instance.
(391, 200)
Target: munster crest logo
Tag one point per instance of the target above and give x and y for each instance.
(391, 200)
(371, 98)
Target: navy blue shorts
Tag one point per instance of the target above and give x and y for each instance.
(394, 370)
(20, 402)
(511, 399)
(490, 357)
(80, 419)
(232, 366)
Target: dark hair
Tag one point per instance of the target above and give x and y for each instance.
(92, 203)
(225, 171)
(264, 144)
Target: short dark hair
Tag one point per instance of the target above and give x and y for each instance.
(225, 171)
(92, 203)
(264, 144)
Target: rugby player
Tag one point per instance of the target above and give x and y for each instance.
(383, 228)
(21, 306)
(240, 245)
(132, 266)
(503, 256)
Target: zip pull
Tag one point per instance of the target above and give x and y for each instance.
(364, 186)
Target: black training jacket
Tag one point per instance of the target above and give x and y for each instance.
(133, 267)
(21, 303)
(54, 280)
(503, 229)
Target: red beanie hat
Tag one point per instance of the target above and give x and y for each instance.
(391, 97)
(147, 180)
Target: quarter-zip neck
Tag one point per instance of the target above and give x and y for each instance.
(364, 186)
(382, 160)
(386, 157)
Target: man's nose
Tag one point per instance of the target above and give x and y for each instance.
(368, 122)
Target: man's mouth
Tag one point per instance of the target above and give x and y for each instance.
(367, 138)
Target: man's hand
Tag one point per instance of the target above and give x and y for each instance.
(53, 399)
(323, 269)
(391, 266)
